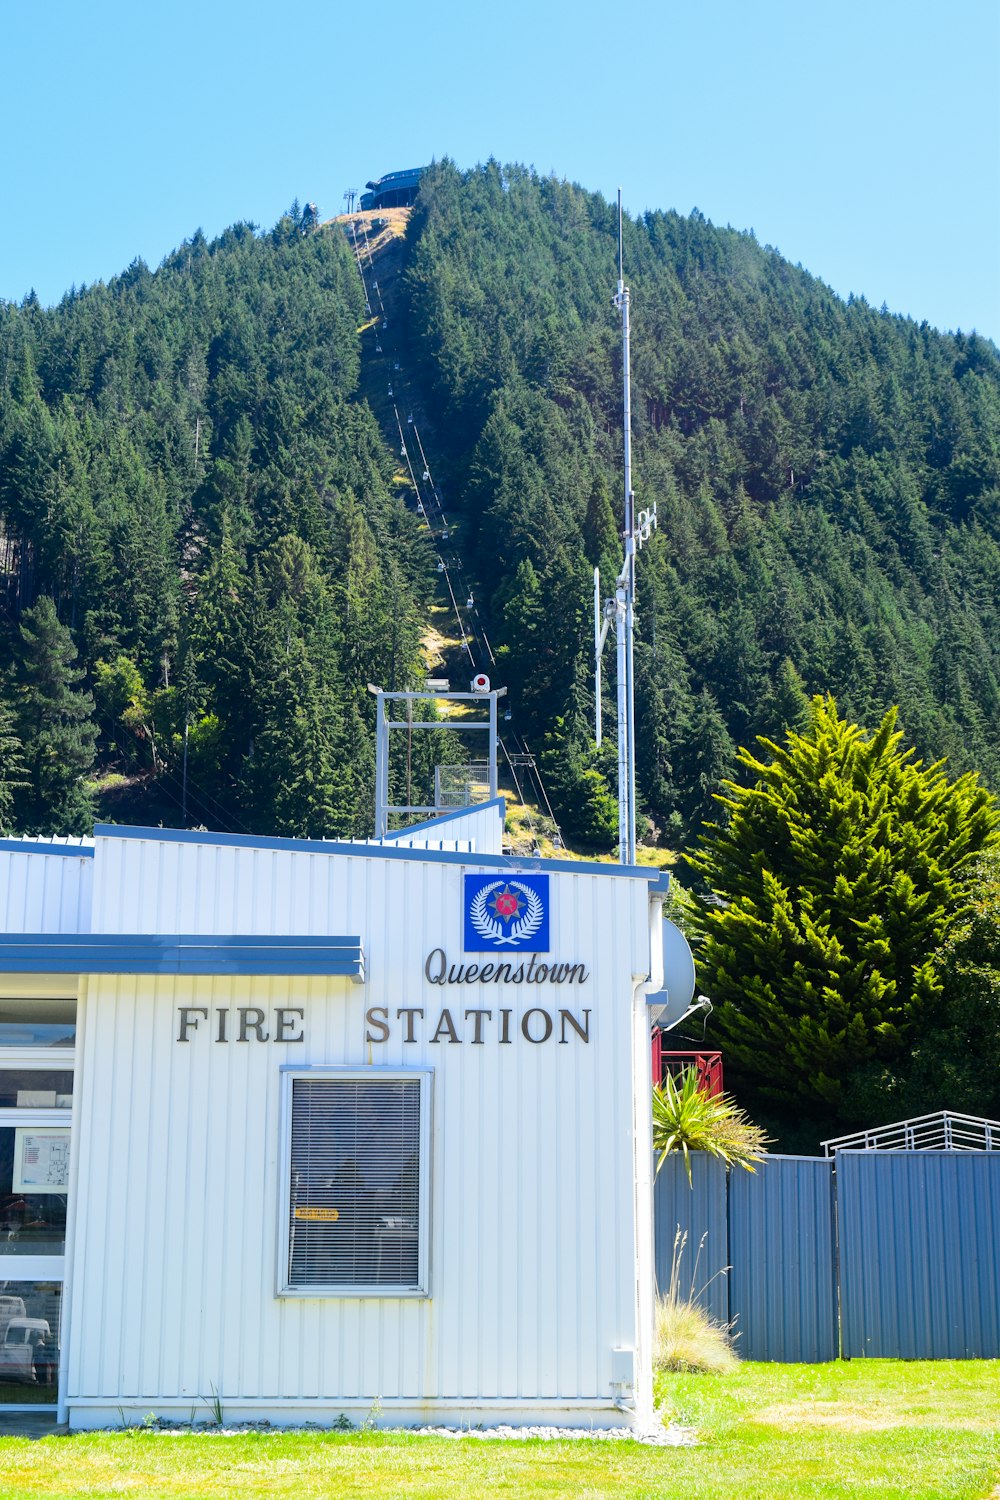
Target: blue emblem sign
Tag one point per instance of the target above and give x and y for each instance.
(507, 916)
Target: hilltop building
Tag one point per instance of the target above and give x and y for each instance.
(394, 190)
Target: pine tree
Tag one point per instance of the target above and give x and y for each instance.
(12, 768)
(954, 1062)
(840, 870)
(588, 813)
(54, 721)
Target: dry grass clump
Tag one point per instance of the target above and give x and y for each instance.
(686, 1339)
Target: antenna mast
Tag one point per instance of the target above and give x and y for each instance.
(621, 609)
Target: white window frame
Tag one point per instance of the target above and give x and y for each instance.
(314, 1073)
(41, 1267)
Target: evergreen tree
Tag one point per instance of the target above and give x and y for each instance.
(588, 813)
(954, 1062)
(12, 768)
(841, 868)
(54, 721)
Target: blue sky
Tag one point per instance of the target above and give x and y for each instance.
(861, 139)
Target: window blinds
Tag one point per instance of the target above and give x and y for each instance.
(354, 1199)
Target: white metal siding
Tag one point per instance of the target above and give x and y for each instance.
(533, 1212)
(481, 827)
(45, 892)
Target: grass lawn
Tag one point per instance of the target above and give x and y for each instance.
(924, 1431)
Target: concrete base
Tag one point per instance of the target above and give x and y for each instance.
(93, 1413)
(33, 1424)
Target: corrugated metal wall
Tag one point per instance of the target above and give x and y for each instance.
(920, 1253)
(783, 1296)
(698, 1210)
(533, 1206)
(481, 826)
(45, 892)
(911, 1238)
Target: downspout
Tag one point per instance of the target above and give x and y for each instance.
(642, 1137)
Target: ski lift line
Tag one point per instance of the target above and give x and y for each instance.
(531, 775)
(489, 649)
(205, 802)
(534, 766)
(361, 273)
(458, 617)
(429, 476)
(466, 634)
(368, 248)
(423, 456)
(405, 454)
(517, 788)
(545, 796)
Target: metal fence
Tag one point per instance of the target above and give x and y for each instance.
(905, 1245)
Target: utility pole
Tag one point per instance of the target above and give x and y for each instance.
(621, 609)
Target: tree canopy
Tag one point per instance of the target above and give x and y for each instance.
(842, 866)
(199, 520)
(827, 478)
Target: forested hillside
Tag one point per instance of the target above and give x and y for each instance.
(828, 481)
(201, 525)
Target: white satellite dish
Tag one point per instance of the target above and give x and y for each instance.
(671, 1004)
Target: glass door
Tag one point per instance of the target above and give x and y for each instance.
(36, 1102)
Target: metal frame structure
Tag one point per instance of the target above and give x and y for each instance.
(708, 1064)
(383, 726)
(456, 790)
(942, 1131)
(621, 609)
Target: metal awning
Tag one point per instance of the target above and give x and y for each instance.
(171, 953)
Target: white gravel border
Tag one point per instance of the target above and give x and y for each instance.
(665, 1436)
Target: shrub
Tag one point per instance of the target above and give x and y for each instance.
(685, 1338)
(687, 1118)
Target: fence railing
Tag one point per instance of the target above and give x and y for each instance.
(672, 1062)
(942, 1131)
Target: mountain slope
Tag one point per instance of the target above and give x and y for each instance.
(828, 477)
(185, 470)
(190, 470)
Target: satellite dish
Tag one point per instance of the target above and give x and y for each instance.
(671, 1004)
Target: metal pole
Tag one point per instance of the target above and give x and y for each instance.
(630, 587)
(493, 746)
(598, 647)
(623, 797)
(381, 768)
(626, 594)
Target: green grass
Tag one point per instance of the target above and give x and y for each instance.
(888, 1430)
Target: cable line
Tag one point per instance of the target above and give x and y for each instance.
(430, 507)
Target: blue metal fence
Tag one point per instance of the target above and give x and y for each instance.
(920, 1253)
(782, 1244)
(698, 1210)
(908, 1241)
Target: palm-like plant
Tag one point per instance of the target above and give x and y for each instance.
(687, 1118)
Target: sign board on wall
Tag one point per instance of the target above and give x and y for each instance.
(505, 916)
(41, 1160)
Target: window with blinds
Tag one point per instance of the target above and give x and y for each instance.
(356, 1184)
